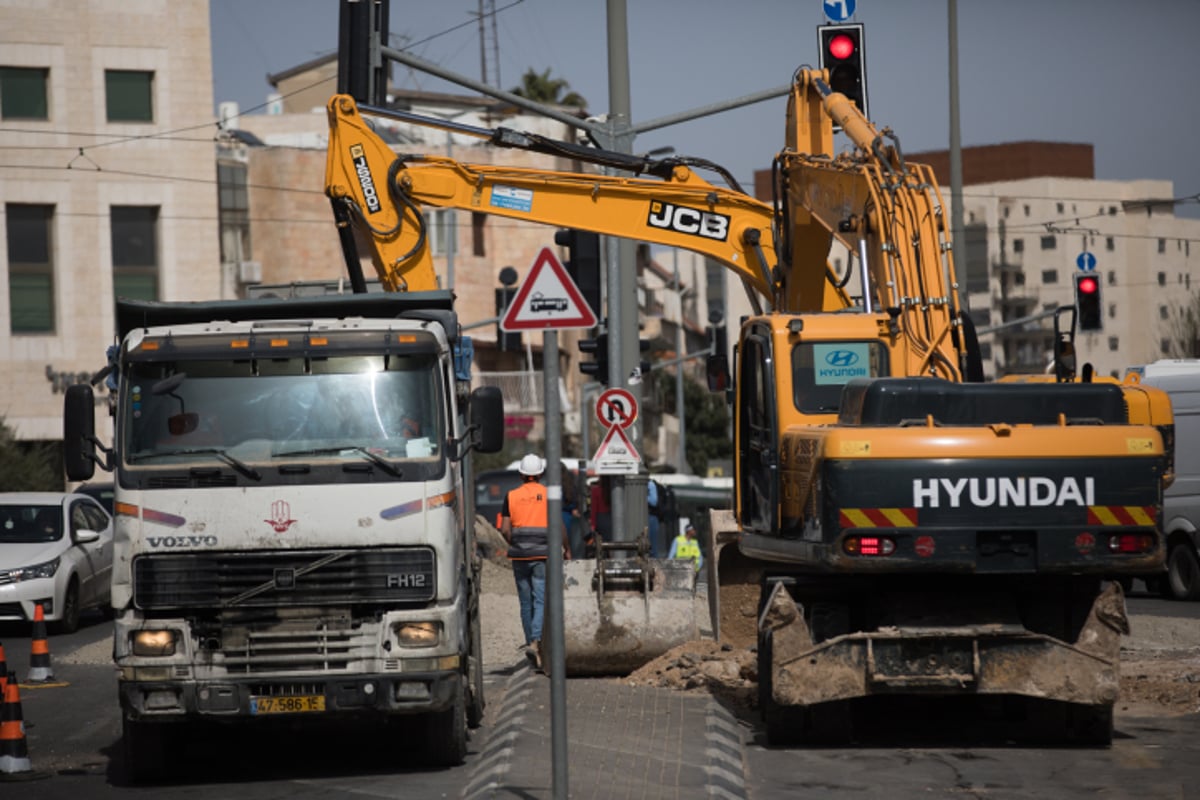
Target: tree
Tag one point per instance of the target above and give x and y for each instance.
(28, 467)
(706, 417)
(541, 88)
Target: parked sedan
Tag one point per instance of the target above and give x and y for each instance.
(55, 549)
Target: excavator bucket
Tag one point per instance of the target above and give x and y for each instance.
(620, 613)
(733, 603)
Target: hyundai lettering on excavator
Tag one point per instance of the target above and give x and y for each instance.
(900, 527)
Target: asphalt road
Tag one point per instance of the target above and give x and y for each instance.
(74, 739)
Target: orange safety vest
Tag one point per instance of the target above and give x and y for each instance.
(528, 511)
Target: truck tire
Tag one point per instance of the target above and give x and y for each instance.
(1183, 572)
(144, 751)
(446, 731)
(475, 702)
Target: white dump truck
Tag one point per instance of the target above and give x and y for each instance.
(292, 508)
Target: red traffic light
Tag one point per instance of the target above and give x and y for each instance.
(841, 46)
(1088, 285)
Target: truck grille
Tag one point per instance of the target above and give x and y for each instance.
(289, 578)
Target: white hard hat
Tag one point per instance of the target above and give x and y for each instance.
(531, 465)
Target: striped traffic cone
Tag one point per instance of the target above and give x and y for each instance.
(14, 753)
(40, 670)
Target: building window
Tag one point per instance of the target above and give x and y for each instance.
(1059, 207)
(1162, 245)
(1163, 312)
(1112, 211)
(135, 251)
(1110, 243)
(30, 267)
(1049, 276)
(1112, 278)
(1018, 245)
(1112, 310)
(23, 93)
(440, 224)
(128, 95)
(1006, 211)
(478, 243)
(1114, 343)
(1165, 346)
(1049, 242)
(1162, 279)
(233, 203)
(1027, 209)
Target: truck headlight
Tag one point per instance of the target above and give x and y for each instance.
(417, 634)
(154, 643)
(44, 570)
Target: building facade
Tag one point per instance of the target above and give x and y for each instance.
(108, 184)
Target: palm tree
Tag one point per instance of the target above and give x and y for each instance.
(541, 88)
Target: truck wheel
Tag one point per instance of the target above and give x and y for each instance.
(1183, 572)
(475, 702)
(143, 751)
(446, 732)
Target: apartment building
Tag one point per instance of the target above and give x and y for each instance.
(108, 185)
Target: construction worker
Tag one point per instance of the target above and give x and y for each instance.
(524, 523)
(686, 546)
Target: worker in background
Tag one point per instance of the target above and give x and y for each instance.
(686, 546)
(524, 523)
(652, 516)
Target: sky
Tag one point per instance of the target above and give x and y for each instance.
(1118, 74)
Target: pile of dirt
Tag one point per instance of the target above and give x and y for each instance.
(705, 666)
(1159, 682)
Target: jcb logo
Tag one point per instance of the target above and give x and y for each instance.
(359, 156)
(682, 219)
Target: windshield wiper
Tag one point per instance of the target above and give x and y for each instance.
(240, 466)
(375, 458)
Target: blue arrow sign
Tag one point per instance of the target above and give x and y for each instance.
(1086, 261)
(839, 10)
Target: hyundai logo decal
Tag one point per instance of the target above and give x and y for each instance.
(841, 358)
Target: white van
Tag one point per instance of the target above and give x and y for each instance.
(1180, 378)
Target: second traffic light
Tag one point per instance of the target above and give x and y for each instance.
(844, 55)
(583, 262)
(1087, 302)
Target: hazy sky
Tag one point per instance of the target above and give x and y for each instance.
(1120, 74)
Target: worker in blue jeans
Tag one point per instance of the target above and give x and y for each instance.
(524, 525)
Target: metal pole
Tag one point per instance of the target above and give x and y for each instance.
(956, 184)
(451, 224)
(629, 510)
(554, 567)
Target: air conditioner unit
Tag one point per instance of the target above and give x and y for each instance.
(250, 271)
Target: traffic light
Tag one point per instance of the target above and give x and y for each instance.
(583, 262)
(505, 340)
(843, 54)
(1087, 302)
(598, 366)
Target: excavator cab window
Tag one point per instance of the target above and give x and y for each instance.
(821, 369)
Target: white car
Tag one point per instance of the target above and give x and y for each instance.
(55, 549)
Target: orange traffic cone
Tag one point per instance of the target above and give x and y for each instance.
(40, 670)
(14, 753)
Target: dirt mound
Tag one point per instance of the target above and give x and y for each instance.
(704, 666)
(1164, 682)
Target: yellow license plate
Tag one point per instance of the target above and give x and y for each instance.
(287, 705)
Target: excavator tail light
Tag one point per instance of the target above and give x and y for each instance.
(869, 546)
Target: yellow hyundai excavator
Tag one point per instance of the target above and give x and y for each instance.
(900, 527)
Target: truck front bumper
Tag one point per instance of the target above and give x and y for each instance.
(361, 695)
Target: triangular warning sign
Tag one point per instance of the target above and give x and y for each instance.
(548, 299)
(616, 447)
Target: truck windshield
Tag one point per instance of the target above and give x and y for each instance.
(821, 369)
(378, 408)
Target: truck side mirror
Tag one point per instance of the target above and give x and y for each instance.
(79, 432)
(487, 418)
